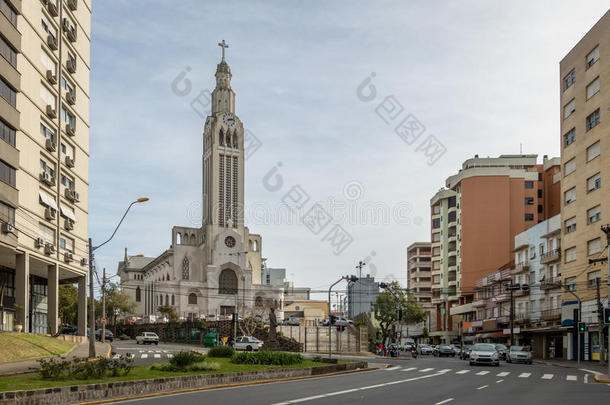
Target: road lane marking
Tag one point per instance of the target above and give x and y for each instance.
(444, 401)
(503, 374)
(145, 356)
(425, 370)
(391, 368)
(331, 394)
(586, 378)
(409, 369)
(483, 372)
(157, 356)
(524, 375)
(547, 376)
(445, 370)
(482, 386)
(463, 372)
(499, 381)
(571, 378)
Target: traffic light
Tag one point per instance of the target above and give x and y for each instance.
(582, 327)
(607, 315)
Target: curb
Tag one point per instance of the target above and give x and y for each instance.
(213, 387)
(550, 363)
(602, 378)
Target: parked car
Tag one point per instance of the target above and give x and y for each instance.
(502, 349)
(76, 332)
(67, 329)
(444, 350)
(456, 348)
(342, 321)
(109, 335)
(519, 354)
(465, 354)
(484, 353)
(292, 320)
(147, 337)
(248, 343)
(425, 349)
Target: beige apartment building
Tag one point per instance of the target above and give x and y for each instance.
(44, 158)
(585, 158)
(419, 272)
(474, 222)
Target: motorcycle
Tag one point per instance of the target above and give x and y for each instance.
(414, 353)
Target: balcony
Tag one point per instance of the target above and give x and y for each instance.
(521, 293)
(501, 297)
(479, 303)
(551, 314)
(552, 256)
(503, 319)
(522, 319)
(551, 283)
(521, 268)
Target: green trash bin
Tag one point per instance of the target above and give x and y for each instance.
(210, 339)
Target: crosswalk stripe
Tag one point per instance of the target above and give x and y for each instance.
(391, 368)
(425, 370)
(144, 356)
(445, 370)
(571, 378)
(524, 375)
(503, 374)
(463, 372)
(547, 376)
(483, 372)
(157, 356)
(409, 369)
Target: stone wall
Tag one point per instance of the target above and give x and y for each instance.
(96, 392)
(315, 338)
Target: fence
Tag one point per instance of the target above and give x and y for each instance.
(315, 338)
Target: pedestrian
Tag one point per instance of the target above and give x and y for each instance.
(231, 341)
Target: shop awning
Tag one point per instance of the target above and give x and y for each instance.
(489, 335)
(47, 200)
(67, 212)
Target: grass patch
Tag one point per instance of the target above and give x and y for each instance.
(34, 381)
(23, 346)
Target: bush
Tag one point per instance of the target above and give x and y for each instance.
(267, 358)
(221, 351)
(82, 368)
(53, 368)
(317, 359)
(183, 359)
(204, 366)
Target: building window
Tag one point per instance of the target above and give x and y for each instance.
(67, 182)
(65, 84)
(541, 249)
(529, 217)
(594, 182)
(173, 300)
(8, 12)
(7, 133)
(451, 217)
(593, 57)
(570, 225)
(436, 223)
(593, 120)
(8, 93)
(66, 244)
(47, 234)
(533, 252)
(186, 269)
(569, 137)
(569, 167)
(593, 278)
(569, 108)
(7, 173)
(569, 79)
(47, 132)
(436, 237)
(48, 28)
(571, 283)
(529, 184)
(138, 294)
(540, 208)
(436, 209)
(7, 213)
(47, 168)
(192, 299)
(539, 193)
(67, 149)
(570, 196)
(48, 62)
(594, 214)
(570, 254)
(593, 151)
(227, 282)
(68, 117)
(529, 200)
(8, 52)
(594, 246)
(593, 88)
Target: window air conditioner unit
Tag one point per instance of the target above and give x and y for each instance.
(39, 242)
(71, 98)
(52, 42)
(70, 130)
(68, 257)
(72, 5)
(50, 145)
(49, 213)
(68, 224)
(51, 112)
(69, 161)
(7, 228)
(71, 65)
(51, 77)
(49, 249)
(83, 262)
(72, 34)
(52, 8)
(72, 195)
(47, 179)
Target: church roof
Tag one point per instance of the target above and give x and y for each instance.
(223, 67)
(136, 262)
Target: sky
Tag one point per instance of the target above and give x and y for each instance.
(321, 87)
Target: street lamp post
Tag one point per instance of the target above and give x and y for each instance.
(576, 321)
(92, 303)
(352, 279)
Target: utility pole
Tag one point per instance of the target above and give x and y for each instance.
(600, 318)
(103, 334)
(606, 230)
(512, 318)
(91, 304)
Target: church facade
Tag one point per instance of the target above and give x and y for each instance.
(214, 270)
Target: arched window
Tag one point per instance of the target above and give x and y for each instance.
(186, 266)
(166, 299)
(192, 299)
(221, 138)
(258, 302)
(193, 240)
(138, 294)
(254, 246)
(227, 282)
(235, 144)
(173, 300)
(178, 238)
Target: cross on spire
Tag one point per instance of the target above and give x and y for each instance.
(223, 45)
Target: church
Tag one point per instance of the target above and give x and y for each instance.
(215, 270)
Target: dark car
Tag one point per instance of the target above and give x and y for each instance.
(109, 335)
(444, 350)
(502, 349)
(67, 330)
(465, 354)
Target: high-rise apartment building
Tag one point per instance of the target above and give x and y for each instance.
(418, 272)
(475, 219)
(585, 159)
(44, 157)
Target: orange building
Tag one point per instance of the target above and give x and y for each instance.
(475, 220)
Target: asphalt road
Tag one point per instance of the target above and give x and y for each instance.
(425, 380)
(148, 354)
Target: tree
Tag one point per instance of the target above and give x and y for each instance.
(117, 303)
(253, 316)
(68, 304)
(388, 304)
(168, 311)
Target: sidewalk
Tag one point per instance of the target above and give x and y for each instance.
(584, 365)
(80, 350)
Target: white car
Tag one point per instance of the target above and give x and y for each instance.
(248, 343)
(147, 337)
(484, 353)
(425, 349)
